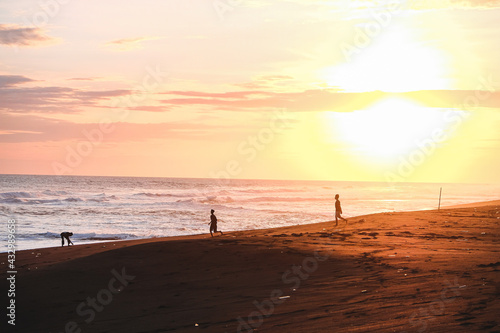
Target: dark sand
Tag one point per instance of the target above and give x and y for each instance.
(427, 271)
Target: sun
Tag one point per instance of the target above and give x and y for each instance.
(396, 61)
(384, 131)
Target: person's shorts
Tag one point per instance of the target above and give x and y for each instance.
(213, 227)
(337, 213)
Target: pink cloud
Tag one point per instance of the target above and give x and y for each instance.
(330, 100)
(126, 44)
(48, 99)
(32, 128)
(16, 35)
(11, 80)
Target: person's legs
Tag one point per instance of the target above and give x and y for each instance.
(214, 229)
(211, 230)
(62, 240)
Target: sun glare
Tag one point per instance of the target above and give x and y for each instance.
(385, 130)
(394, 62)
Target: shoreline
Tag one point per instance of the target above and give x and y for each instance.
(474, 204)
(155, 239)
(380, 273)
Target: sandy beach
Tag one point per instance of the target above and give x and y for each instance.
(425, 271)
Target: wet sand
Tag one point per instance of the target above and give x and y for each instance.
(426, 271)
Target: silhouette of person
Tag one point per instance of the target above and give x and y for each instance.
(66, 235)
(213, 223)
(338, 211)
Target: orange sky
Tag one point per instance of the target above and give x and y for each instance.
(332, 90)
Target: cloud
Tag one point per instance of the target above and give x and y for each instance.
(443, 4)
(411, 4)
(100, 95)
(267, 81)
(225, 95)
(84, 79)
(329, 100)
(16, 35)
(128, 44)
(49, 99)
(150, 108)
(16, 128)
(310, 100)
(19, 126)
(11, 80)
(15, 98)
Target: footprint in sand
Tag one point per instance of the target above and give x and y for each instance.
(490, 264)
(488, 325)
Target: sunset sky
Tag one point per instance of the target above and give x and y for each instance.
(296, 89)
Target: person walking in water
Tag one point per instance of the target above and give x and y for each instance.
(338, 211)
(66, 235)
(213, 223)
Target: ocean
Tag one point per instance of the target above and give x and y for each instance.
(120, 208)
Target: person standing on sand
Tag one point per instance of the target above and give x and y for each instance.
(66, 235)
(213, 223)
(338, 211)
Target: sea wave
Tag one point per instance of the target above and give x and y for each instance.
(82, 236)
(249, 202)
(230, 199)
(167, 195)
(47, 197)
(17, 195)
(271, 190)
(288, 199)
(54, 193)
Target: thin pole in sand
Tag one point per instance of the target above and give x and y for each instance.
(440, 190)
